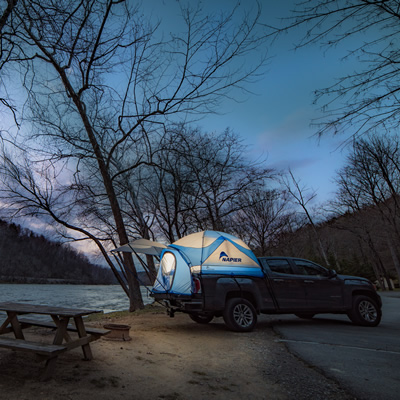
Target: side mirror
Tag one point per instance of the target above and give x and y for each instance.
(332, 273)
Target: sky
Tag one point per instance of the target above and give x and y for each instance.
(276, 120)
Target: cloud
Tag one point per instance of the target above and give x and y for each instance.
(294, 164)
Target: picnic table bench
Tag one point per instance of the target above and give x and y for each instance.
(26, 323)
(38, 348)
(60, 324)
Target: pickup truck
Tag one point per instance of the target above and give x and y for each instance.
(287, 285)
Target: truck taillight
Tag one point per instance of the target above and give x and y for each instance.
(196, 285)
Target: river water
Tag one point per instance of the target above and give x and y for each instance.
(98, 297)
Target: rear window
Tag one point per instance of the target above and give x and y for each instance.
(280, 266)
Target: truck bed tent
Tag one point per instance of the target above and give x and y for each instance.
(207, 252)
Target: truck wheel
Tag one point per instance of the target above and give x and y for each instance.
(305, 315)
(365, 311)
(240, 315)
(201, 318)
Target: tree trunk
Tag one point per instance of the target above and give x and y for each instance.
(395, 259)
(135, 297)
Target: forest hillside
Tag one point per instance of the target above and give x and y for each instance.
(26, 257)
(361, 243)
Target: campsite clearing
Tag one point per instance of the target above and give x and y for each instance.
(172, 358)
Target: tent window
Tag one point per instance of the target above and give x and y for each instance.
(168, 264)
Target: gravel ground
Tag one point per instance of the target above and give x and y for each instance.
(171, 359)
(297, 379)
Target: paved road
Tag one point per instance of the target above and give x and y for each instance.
(364, 360)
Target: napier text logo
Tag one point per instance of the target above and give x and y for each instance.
(225, 258)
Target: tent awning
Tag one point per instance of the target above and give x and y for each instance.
(143, 246)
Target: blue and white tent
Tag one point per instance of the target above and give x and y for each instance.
(207, 252)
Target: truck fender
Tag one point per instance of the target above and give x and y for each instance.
(229, 287)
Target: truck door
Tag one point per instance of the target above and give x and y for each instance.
(288, 288)
(322, 290)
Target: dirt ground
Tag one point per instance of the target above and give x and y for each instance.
(172, 359)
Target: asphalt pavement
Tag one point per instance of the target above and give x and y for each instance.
(365, 361)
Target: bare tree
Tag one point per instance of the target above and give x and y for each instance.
(371, 179)
(355, 217)
(5, 51)
(265, 218)
(368, 98)
(199, 182)
(166, 189)
(214, 178)
(6, 14)
(30, 192)
(301, 196)
(101, 82)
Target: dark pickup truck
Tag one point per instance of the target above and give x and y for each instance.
(288, 286)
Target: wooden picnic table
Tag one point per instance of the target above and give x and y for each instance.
(62, 341)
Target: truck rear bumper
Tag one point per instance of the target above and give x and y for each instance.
(185, 303)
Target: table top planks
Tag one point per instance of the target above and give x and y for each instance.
(27, 308)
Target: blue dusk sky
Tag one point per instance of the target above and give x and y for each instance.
(275, 121)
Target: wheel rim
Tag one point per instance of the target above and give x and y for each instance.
(368, 311)
(243, 315)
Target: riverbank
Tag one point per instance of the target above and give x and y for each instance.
(173, 359)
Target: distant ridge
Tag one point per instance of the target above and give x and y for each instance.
(26, 257)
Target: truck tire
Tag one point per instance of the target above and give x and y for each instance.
(201, 318)
(365, 311)
(240, 315)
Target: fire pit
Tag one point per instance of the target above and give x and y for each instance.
(118, 332)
